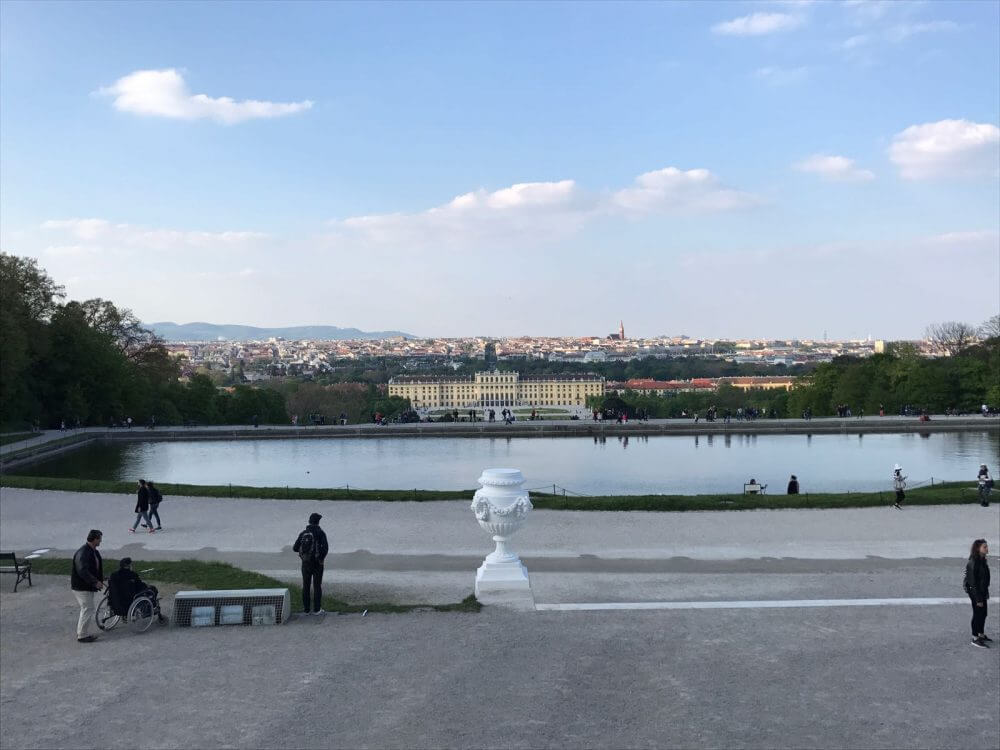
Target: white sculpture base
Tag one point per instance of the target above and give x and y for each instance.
(502, 575)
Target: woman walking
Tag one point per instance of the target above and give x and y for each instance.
(977, 586)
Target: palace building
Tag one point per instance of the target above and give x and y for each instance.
(489, 389)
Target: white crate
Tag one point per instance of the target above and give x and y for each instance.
(231, 607)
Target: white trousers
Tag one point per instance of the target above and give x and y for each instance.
(86, 601)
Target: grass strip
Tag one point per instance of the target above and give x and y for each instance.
(70, 484)
(946, 493)
(950, 493)
(220, 575)
(15, 438)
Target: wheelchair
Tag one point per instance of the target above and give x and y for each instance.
(145, 607)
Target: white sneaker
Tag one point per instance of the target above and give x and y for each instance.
(320, 612)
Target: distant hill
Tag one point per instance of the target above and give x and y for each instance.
(211, 332)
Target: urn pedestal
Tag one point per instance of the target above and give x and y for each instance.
(501, 506)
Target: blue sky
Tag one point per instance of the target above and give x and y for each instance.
(717, 169)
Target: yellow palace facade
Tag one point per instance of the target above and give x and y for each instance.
(486, 389)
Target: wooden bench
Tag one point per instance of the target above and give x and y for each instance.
(754, 489)
(10, 564)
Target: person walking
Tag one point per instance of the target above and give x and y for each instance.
(142, 507)
(977, 586)
(793, 486)
(85, 579)
(155, 498)
(312, 547)
(899, 485)
(985, 485)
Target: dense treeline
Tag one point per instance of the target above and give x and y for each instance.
(901, 379)
(767, 402)
(897, 381)
(91, 363)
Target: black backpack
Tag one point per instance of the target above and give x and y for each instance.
(155, 498)
(307, 546)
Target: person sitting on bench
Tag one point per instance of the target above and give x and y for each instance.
(752, 487)
(123, 587)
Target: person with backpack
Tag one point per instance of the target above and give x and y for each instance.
(899, 485)
(312, 548)
(155, 498)
(985, 485)
(977, 586)
(142, 507)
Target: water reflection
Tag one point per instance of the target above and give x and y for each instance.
(644, 464)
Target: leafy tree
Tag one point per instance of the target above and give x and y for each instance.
(28, 297)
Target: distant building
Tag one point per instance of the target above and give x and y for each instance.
(595, 356)
(664, 387)
(496, 389)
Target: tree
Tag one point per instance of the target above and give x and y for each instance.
(951, 336)
(28, 297)
(991, 328)
(123, 327)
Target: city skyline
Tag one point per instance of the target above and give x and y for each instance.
(757, 170)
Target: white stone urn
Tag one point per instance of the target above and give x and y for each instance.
(501, 507)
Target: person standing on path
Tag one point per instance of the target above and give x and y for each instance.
(985, 485)
(142, 507)
(312, 547)
(977, 586)
(155, 498)
(86, 578)
(899, 485)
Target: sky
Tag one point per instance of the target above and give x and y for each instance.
(714, 169)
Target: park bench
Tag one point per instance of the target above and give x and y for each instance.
(10, 564)
(754, 489)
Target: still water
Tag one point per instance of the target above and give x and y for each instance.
(633, 465)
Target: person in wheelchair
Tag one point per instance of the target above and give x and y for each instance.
(124, 585)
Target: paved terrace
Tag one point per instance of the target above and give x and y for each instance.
(834, 676)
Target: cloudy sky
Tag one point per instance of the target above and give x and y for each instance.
(773, 169)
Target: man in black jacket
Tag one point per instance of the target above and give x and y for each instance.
(312, 547)
(86, 578)
(142, 507)
(123, 585)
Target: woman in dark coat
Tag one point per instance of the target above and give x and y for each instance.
(977, 586)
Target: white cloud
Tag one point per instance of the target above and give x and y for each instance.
(673, 190)
(948, 148)
(69, 250)
(834, 168)
(866, 11)
(534, 211)
(84, 229)
(774, 76)
(905, 30)
(758, 23)
(530, 209)
(164, 93)
(966, 239)
(855, 41)
(101, 233)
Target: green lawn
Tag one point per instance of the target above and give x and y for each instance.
(16, 437)
(219, 575)
(949, 493)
